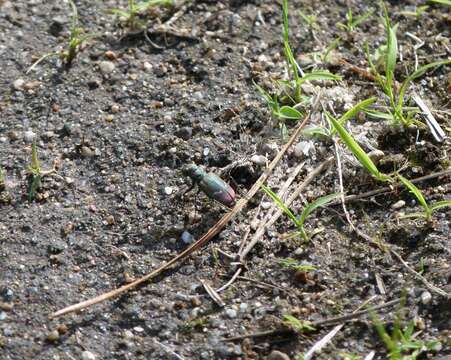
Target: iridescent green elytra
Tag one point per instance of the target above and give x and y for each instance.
(213, 186)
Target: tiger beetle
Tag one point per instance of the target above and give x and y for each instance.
(213, 186)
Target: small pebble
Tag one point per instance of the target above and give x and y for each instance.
(18, 84)
(187, 238)
(29, 136)
(3, 316)
(231, 313)
(87, 355)
(128, 335)
(53, 336)
(138, 329)
(86, 152)
(266, 205)
(243, 307)
(302, 149)
(259, 160)
(168, 190)
(426, 297)
(106, 67)
(278, 355)
(398, 205)
(110, 55)
(115, 108)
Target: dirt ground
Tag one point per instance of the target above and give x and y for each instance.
(119, 126)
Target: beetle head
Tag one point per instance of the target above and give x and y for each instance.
(194, 172)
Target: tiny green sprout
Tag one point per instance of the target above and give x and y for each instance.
(388, 54)
(402, 342)
(308, 209)
(428, 209)
(76, 39)
(35, 172)
(130, 17)
(293, 264)
(351, 22)
(310, 20)
(298, 325)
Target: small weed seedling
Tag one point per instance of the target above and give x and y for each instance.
(418, 11)
(351, 22)
(428, 209)
(297, 325)
(35, 173)
(308, 209)
(310, 20)
(130, 17)
(288, 96)
(293, 264)
(76, 40)
(397, 113)
(402, 342)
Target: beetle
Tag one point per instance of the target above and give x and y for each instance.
(212, 185)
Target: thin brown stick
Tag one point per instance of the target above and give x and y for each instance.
(196, 245)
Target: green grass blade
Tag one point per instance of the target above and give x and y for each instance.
(288, 112)
(440, 204)
(380, 115)
(318, 75)
(315, 205)
(421, 71)
(280, 204)
(358, 152)
(441, 2)
(392, 48)
(34, 158)
(356, 109)
(119, 12)
(417, 193)
(360, 19)
(288, 53)
(265, 95)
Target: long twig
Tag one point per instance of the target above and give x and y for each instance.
(196, 245)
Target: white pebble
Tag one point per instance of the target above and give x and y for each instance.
(87, 355)
(106, 67)
(259, 160)
(29, 136)
(18, 84)
(168, 190)
(398, 205)
(426, 297)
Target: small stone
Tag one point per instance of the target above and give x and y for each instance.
(196, 301)
(302, 149)
(3, 316)
(110, 220)
(53, 336)
(110, 55)
(127, 334)
(13, 135)
(278, 355)
(243, 307)
(48, 135)
(29, 136)
(231, 313)
(168, 190)
(87, 355)
(147, 66)
(376, 156)
(259, 160)
(265, 205)
(86, 152)
(398, 205)
(187, 238)
(270, 149)
(426, 297)
(62, 329)
(6, 306)
(106, 67)
(115, 108)
(18, 84)
(138, 329)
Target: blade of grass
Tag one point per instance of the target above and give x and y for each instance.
(318, 75)
(280, 204)
(358, 152)
(440, 204)
(417, 193)
(315, 205)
